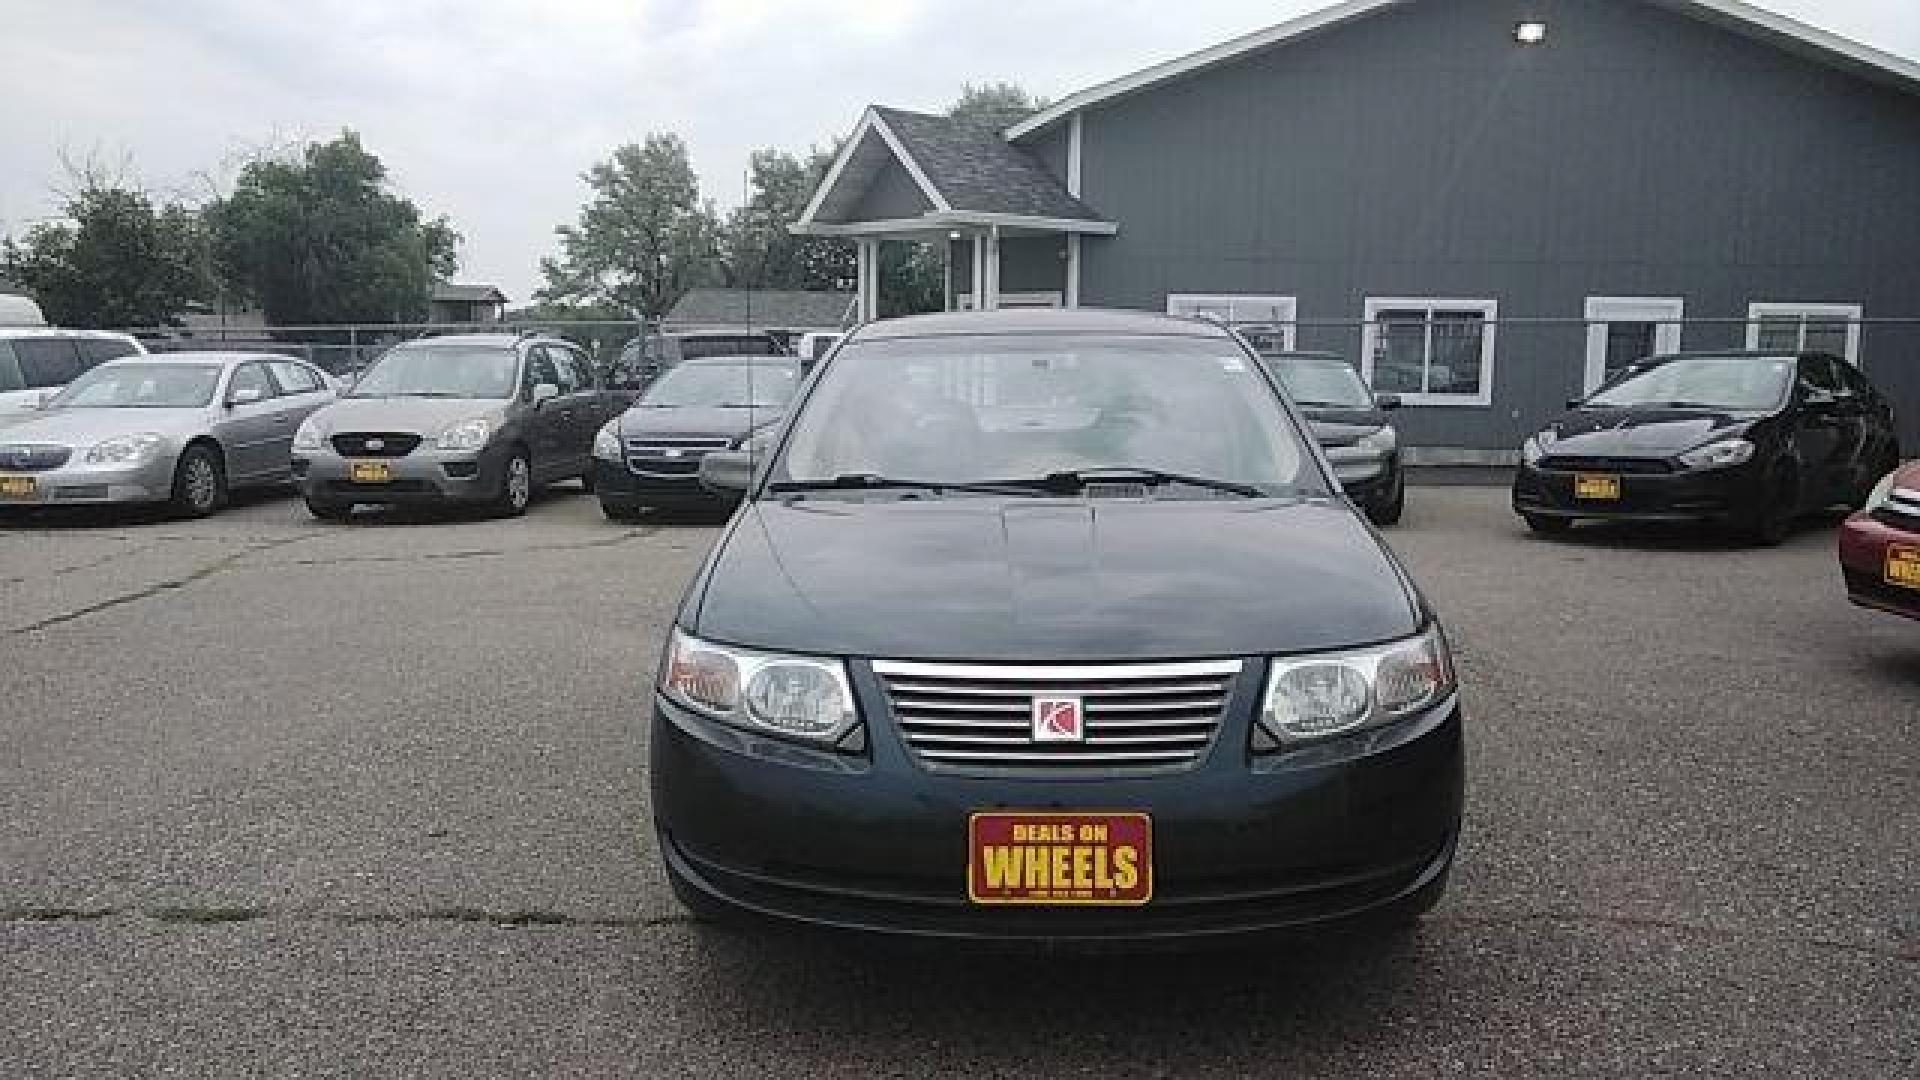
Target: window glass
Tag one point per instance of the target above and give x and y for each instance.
(1732, 383)
(142, 386)
(1322, 382)
(1440, 350)
(1818, 373)
(250, 382)
(1265, 321)
(1628, 343)
(573, 366)
(1779, 335)
(295, 378)
(448, 371)
(1826, 337)
(717, 384)
(542, 369)
(979, 409)
(96, 351)
(47, 362)
(10, 379)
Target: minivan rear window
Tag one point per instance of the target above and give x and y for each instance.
(10, 380)
(97, 351)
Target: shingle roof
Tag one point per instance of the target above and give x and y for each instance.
(783, 309)
(448, 292)
(975, 169)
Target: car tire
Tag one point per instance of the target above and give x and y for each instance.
(1547, 526)
(586, 481)
(516, 486)
(199, 482)
(1387, 513)
(625, 515)
(329, 511)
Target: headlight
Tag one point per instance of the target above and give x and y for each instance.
(127, 449)
(606, 444)
(1321, 697)
(796, 696)
(1378, 444)
(1719, 455)
(1535, 447)
(466, 435)
(308, 436)
(1882, 493)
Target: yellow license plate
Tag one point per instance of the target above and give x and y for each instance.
(17, 487)
(1596, 488)
(1050, 859)
(370, 472)
(1903, 566)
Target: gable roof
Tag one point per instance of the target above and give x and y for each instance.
(448, 293)
(781, 309)
(1735, 15)
(968, 171)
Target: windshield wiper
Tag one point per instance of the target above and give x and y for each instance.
(1331, 405)
(1071, 481)
(874, 481)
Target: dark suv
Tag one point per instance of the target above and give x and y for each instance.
(645, 359)
(1052, 625)
(478, 419)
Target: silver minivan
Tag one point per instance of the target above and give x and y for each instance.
(36, 361)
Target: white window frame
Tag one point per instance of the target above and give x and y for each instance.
(1179, 303)
(1603, 311)
(1490, 309)
(1774, 310)
(964, 301)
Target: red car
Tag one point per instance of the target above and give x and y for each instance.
(1880, 546)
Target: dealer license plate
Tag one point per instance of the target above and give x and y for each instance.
(370, 472)
(17, 487)
(1046, 859)
(1903, 566)
(1596, 488)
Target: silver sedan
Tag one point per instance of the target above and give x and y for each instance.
(176, 428)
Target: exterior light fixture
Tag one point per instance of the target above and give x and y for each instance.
(1530, 33)
(954, 235)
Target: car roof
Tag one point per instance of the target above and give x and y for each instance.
(1065, 321)
(203, 358)
(1304, 355)
(737, 359)
(496, 341)
(1751, 354)
(61, 331)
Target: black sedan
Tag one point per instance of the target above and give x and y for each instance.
(1751, 440)
(1052, 626)
(650, 454)
(1352, 426)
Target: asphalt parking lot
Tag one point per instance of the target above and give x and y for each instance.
(285, 798)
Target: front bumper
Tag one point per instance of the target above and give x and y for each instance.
(425, 476)
(875, 842)
(1368, 481)
(1714, 495)
(620, 486)
(79, 484)
(1864, 541)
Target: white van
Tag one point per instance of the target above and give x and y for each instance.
(35, 360)
(17, 310)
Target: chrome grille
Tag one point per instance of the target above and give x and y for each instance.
(1628, 465)
(670, 455)
(33, 457)
(1151, 717)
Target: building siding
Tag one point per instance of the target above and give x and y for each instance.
(893, 194)
(1420, 152)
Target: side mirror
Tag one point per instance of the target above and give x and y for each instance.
(544, 392)
(726, 472)
(1388, 402)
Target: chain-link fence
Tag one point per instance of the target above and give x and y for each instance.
(346, 349)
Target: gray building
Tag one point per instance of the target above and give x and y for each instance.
(1424, 184)
(760, 309)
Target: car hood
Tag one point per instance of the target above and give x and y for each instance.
(1344, 427)
(1648, 433)
(1038, 579)
(84, 427)
(426, 417)
(695, 422)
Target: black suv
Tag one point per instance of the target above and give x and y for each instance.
(1052, 625)
(644, 359)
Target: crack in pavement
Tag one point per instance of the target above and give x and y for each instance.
(220, 916)
(219, 565)
(1909, 951)
(625, 537)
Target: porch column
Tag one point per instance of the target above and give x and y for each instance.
(991, 298)
(979, 272)
(867, 290)
(1073, 265)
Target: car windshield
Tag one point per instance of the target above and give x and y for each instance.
(984, 410)
(440, 371)
(727, 386)
(141, 386)
(1733, 383)
(1329, 383)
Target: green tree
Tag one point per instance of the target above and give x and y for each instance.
(320, 237)
(762, 251)
(1003, 104)
(116, 260)
(643, 239)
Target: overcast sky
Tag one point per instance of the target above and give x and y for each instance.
(488, 110)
